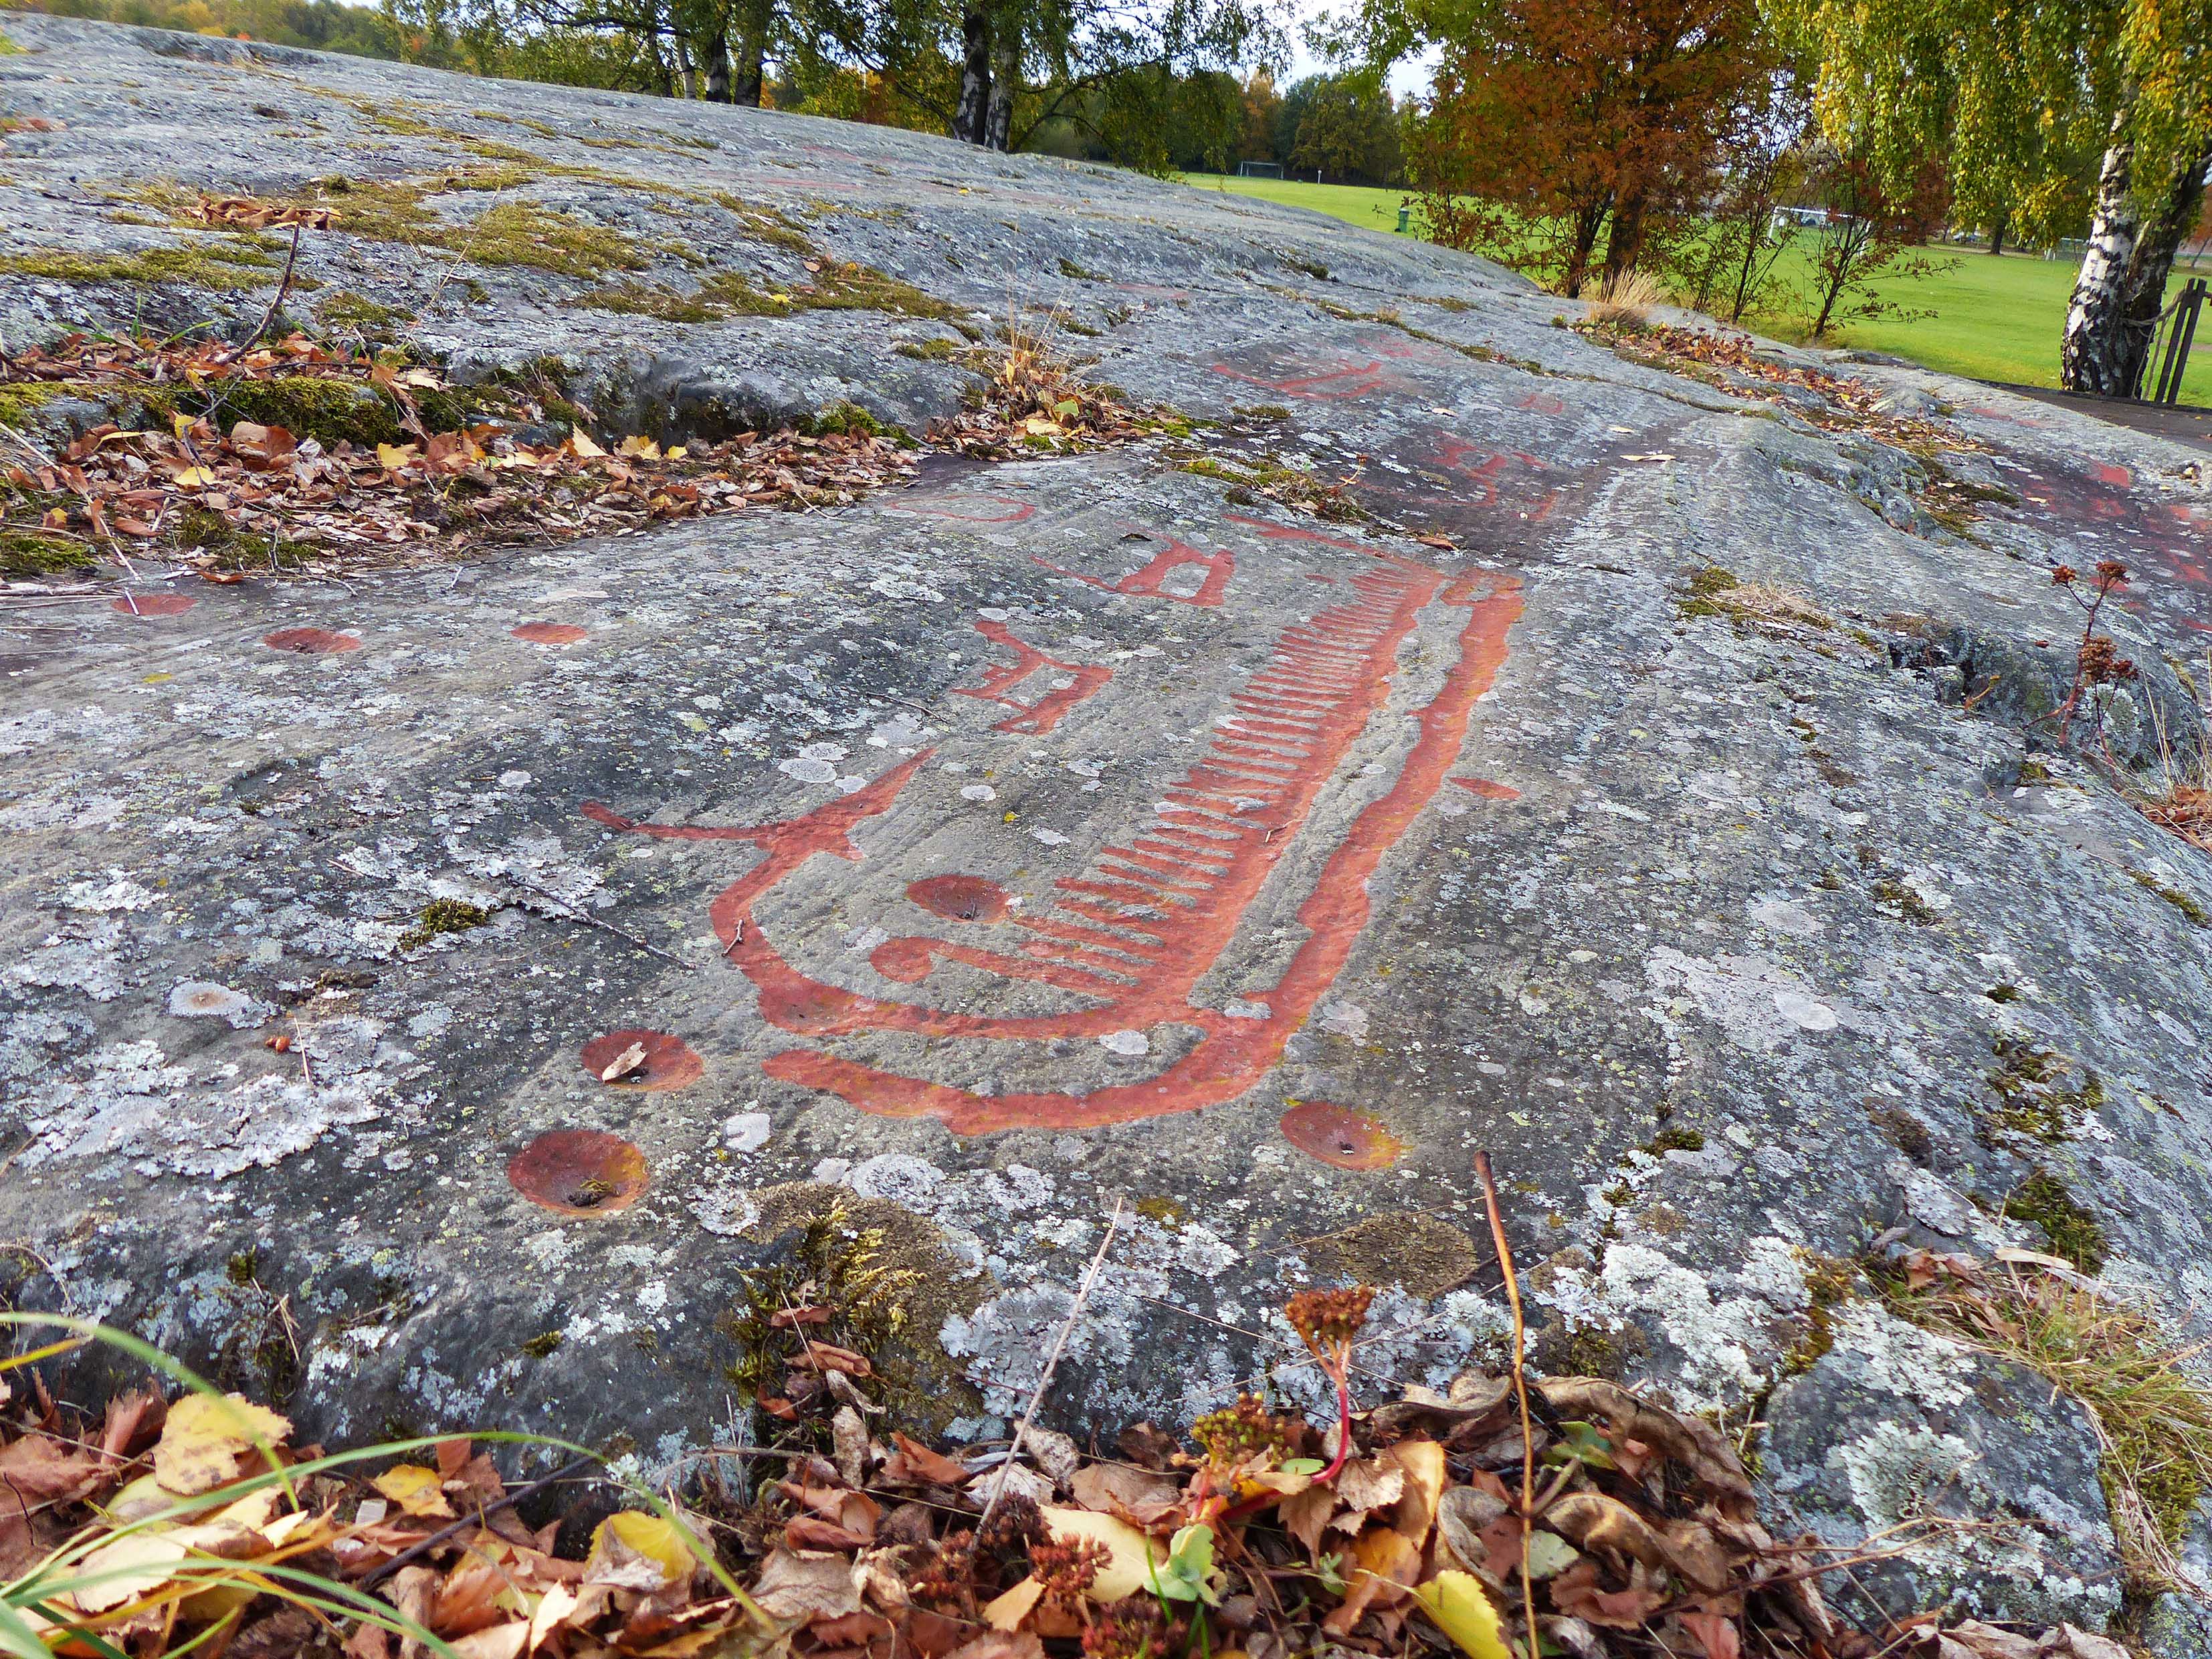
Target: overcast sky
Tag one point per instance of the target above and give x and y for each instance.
(1408, 77)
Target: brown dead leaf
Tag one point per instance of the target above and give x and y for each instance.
(915, 1465)
(1717, 1635)
(1577, 1593)
(1138, 1496)
(806, 1586)
(1388, 1564)
(39, 1469)
(1001, 1644)
(807, 1532)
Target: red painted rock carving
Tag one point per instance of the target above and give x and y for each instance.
(1126, 944)
(1337, 1134)
(551, 633)
(668, 1062)
(310, 641)
(1336, 383)
(579, 1172)
(154, 604)
(1150, 582)
(1489, 789)
(1039, 717)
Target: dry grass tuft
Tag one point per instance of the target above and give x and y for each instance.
(2181, 800)
(2153, 1415)
(1627, 301)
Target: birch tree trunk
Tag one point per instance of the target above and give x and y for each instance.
(970, 121)
(753, 18)
(1005, 77)
(716, 52)
(2151, 268)
(2092, 356)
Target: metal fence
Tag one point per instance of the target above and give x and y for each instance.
(2175, 333)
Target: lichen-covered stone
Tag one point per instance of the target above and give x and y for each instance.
(1978, 1474)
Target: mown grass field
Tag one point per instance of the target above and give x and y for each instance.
(1993, 318)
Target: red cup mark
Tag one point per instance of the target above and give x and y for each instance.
(310, 641)
(669, 1063)
(1337, 1134)
(154, 604)
(579, 1172)
(960, 898)
(544, 633)
(1488, 788)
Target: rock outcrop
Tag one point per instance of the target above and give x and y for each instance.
(1650, 778)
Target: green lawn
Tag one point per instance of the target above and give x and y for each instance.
(1995, 319)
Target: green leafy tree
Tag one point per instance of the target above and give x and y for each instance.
(1343, 126)
(2014, 96)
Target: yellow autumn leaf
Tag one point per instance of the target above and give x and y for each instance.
(1007, 1612)
(395, 457)
(641, 446)
(1456, 1602)
(133, 1566)
(1422, 1462)
(583, 448)
(193, 477)
(205, 1437)
(415, 1490)
(679, 452)
(1131, 1555)
(1037, 426)
(657, 1540)
(182, 424)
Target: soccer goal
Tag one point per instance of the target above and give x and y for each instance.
(1258, 169)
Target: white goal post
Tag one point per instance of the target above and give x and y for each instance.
(1258, 169)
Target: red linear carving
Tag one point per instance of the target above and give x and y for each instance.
(1174, 895)
(1219, 568)
(1039, 717)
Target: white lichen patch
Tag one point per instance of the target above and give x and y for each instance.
(194, 999)
(128, 1102)
(1758, 1003)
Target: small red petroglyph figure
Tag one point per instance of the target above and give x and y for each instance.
(1118, 954)
(1039, 717)
(1152, 579)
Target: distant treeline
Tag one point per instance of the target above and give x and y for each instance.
(1173, 104)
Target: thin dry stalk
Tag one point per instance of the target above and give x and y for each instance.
(1520, 1391)
(1052, 1363)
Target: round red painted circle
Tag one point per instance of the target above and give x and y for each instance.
(959, 898)
(579, 1172)
(154, 604)
(1337, 1134)
(310, 641)
(669, 1063)
(545, 633)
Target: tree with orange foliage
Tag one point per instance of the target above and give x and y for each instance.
(1554, 123)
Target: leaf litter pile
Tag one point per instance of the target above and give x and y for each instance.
(216, 490)
(1430, 1525)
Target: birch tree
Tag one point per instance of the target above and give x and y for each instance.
(2017, 96)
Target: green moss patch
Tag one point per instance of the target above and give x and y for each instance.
(224, 263)
(2074, 1233)
(443, 916)
(35, 553)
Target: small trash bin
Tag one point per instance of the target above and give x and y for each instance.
(1405, 213)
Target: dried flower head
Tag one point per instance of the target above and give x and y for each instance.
(1133, 1628)
(948, 1577)
(2110, 573)
(2064, 575)
(2102, 664)
(1067, 1571)
(1329, 1321)
(1240, 1433)
(1014, 1526)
